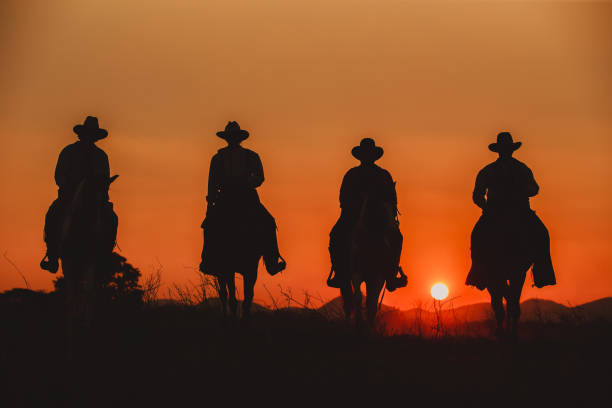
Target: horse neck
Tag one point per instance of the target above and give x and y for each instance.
(362, 212)
(84, 211)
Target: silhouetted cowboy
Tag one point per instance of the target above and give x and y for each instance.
(77, 162)
(235, 173)
(375, 183)
(507, 223)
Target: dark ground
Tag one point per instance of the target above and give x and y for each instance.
(185, 356)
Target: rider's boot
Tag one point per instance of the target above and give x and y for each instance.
(52, 237)
(51, 260)
(273, 264)
(395, 282)
(333, 280)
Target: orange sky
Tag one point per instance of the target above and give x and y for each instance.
(433, 82)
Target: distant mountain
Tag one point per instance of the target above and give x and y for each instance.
(531, 310)
(600, 309)
(539, 310)
(544, 310)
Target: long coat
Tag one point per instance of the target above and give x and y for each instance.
(509, 237)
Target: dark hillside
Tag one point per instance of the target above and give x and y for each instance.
(177, 355)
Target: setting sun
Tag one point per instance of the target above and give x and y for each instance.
(439, 291)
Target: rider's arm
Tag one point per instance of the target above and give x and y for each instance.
(213, 180)
(531, 187)
(105, 166)
(62, 170)
(346, 190)
(392, 192)
(256, 173)
(480, 189)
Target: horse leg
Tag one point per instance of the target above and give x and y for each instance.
(357, 303)
(231, 291)
(347, 300)
(88, 300)
(249, 279)
(373, 290)
(513, 300)
(69, 303)
(222, 289)
(497, 303)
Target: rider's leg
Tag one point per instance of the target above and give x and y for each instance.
(393, 281)
(338, 253)
(202, 263)
(52, 237)
(272, 258)
(110, 224)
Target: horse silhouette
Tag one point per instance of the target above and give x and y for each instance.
(513, 247)
(234, 246)
(238, 229)
(87, 240)
(509, 238)
(370, 262)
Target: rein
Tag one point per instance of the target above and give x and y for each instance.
(383, 294)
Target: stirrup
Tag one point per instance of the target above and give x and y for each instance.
(51, 266)
(206, 271)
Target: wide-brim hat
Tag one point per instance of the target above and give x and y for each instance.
(367, 150)
(90, 127)
(233, 131)
(504, 143)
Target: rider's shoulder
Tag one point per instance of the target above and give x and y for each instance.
(226, 149)
(69, 149)
(519, 163)
(353, 171)
(383, 171)
(79, 147)
(99, 151)
(489, 167)
(251, 153)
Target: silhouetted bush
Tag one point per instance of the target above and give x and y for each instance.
(117, 281)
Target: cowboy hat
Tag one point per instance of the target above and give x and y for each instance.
(504, 143)
(90, 127)
(232, 129)
(367, 150)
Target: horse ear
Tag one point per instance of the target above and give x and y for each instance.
(113, 178)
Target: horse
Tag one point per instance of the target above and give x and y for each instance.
(233, 244)
(504, 248)
(370, 260)
(87, 238)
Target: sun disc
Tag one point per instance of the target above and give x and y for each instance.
(439, 291)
